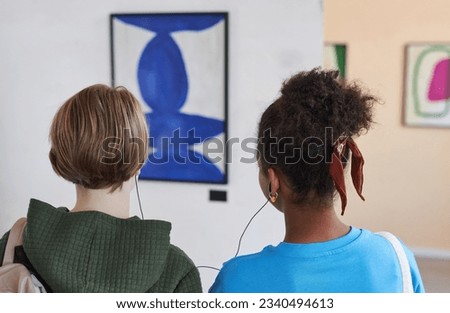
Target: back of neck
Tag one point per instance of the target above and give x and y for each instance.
(313, 225)
(116, 203)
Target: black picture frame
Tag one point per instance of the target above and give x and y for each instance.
(148, 53)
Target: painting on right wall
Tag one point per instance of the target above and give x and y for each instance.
(335, 57)
(427, 85)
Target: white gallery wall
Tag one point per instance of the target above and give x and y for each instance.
(51, 49)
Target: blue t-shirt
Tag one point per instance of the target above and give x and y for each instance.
(360, 261)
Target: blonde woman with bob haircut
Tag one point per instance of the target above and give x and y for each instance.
(99, 142)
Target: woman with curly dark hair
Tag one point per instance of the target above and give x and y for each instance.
(305, 143)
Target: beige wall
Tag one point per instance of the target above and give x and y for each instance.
(407, 173)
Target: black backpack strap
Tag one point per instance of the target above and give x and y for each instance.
(14, 252)
(21, 257)
(14, 239)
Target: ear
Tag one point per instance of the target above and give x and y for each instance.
(274, 180)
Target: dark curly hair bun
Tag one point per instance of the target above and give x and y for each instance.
(322, 97)
(297, 131)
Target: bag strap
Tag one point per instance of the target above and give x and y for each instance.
(403, 260)
(15, 238)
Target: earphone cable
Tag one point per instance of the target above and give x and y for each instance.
(240, 239)
(248, 224)
(138, 196)
(209, 267)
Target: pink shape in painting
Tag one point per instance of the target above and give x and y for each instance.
(439, 85)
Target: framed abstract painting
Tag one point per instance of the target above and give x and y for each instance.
(335, 57)
(176, 64)
(427, 85)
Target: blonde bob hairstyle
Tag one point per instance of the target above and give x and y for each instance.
(99, 138)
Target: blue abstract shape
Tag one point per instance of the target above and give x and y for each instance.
(195, 168)
(193, 129)
(163, 82)
(173, 22)
(162, 75)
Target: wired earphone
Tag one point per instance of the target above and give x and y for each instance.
(138, 195)
(240, 238)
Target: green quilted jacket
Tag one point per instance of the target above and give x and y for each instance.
(95, 252)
